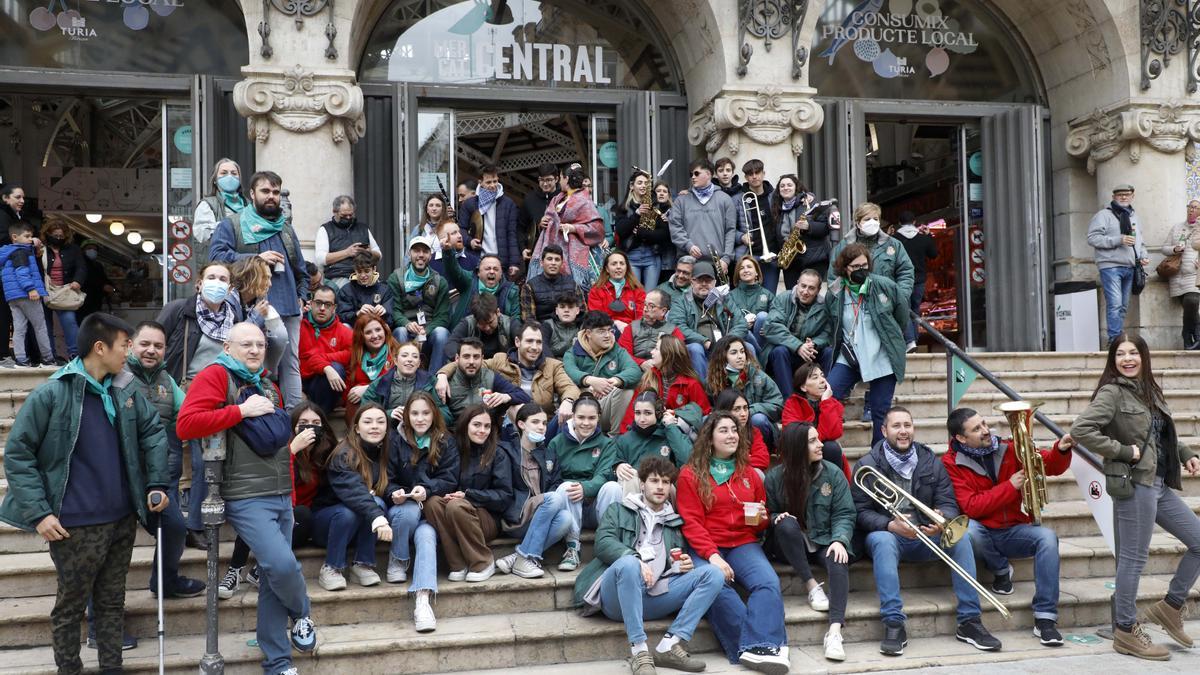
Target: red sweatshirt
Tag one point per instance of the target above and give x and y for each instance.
(204, 412)
(723, 524)
(995, 505)
(303, 493)
(829, 427)
(600, 297)
(760, 457)
(318, 353)
(684, 390)
(626, 342)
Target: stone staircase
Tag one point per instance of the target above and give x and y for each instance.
(509, 622)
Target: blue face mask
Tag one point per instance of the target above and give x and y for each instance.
(229, 183)
(534, 436)
(214, 290)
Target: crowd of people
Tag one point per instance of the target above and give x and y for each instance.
(523, 375)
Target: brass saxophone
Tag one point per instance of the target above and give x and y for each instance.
(1020, 421)
(794, 245)
(648, 219)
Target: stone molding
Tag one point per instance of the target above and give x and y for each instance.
(1166, 127)
(301, 101)
(768, 116)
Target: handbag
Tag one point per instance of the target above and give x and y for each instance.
(1169, 266)
(1139, 278)
(63, 298)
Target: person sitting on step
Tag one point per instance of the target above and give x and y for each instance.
(365, 294)
(734, 402)
(559, 331)
(393, 389)
(813, 402)
(473, 382)
(733, 366)
(671, 376)
(585, 457)
(324, 351)
(605, 370)
(655, 432)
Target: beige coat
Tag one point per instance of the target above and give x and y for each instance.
(1185, 281)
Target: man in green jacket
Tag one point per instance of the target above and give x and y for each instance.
(609, 372)
(640, 571)
(421, 302)
(792, 325)
(84, 482)
(704, 317)
(489, 279)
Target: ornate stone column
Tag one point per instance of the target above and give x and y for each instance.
(1148, 145)
(765, 122)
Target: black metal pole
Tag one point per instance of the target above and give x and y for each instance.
(213, 512)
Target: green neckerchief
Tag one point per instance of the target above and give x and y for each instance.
(721, 470)
(233, 201)
(318, 326)
(374, 365)
(618, 286)
(257, 229)
(238, 368)
(491, 291)
(423, 441)
(413, 281)
(857, 289)
(139, 371)
(101, 389)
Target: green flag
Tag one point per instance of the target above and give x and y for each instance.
(961, 377)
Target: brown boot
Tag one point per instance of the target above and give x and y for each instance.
(1171, 620)
(1137, 643)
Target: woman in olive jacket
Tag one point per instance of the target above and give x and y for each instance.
(1128, 423)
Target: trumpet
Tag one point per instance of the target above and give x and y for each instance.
(890, 496)
(750, 205)
(1033, 492)
(722, 275)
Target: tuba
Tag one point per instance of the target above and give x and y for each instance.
(1020, 420)
(890, 496)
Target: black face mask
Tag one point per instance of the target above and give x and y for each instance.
(317, 430)
(645, 431)
(56, 241)
(857, 277)
(346, 222)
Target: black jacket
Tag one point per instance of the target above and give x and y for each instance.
(489, 488)
(352, 296)
(71, 258)
(921, 249)
(930, 485)
(506, 229)
(533, 207)
(550, 475)
(774, 241)
(404, 475)
(178, 318)
(342, 485)
(631, 236)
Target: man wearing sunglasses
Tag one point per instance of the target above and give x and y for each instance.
(703, 221)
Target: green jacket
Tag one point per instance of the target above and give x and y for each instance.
(1115, 421)
(37, 457)
(615, 537)
(789, 323)
(761, 393)
(588, 462)
(434, 298)
(559, 337)
(672, 290)
(666, 441)
(751, 298)
(686, 313)
(158, 388)
(888, 259)
(508, 297)
(615, 362)
(829, 514)
(888, 309)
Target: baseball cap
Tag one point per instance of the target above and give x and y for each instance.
(703, 269)
(420, 241)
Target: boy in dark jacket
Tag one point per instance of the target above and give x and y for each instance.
(365, 293)
(24, 292)
(560, 330)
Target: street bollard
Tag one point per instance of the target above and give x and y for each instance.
(213, 512)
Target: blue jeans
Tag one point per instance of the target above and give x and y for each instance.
(289, 364)
(698, 358)
(435, 345)
(623, 597)
(1117, 283)
(265, 523)
(995, 547)
(199, 489)
(408, 525)
(782, 364)
(317, 389)
(335, 527)
(584, 513)
(647, 275)
(770, 276)
(759, 621)
(914, 304)
(755, 335)
(550, 523)
(842, 379)
(765, 427)
(174, 527)
(70, 329)
(887, 550)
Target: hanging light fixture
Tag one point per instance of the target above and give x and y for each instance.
(117, 228)
(134, 238)
(94, 218)
(148, 246)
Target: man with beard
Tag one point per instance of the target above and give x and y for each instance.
(490, 218)
(533, 207)
(794, 321)
(421, 302)
(540, 293)
(473, 382)
(489, 280)
(263, 231)
(914, 468)
(677, 286)
(450, 237)
(340, 239)
(324, 349)
(704, 317)
(640, 336)
(485, 322)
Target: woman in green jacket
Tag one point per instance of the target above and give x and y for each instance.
(813, 523)
(585, 458)
(750, 298)
(653, 433)
(1129, 425)
(732, 367)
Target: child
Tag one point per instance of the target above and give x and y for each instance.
(364, 293)
(560, 331)
(24, 292)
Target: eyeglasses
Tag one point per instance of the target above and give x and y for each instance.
(858, 267)
(323, 303)
(251, 345)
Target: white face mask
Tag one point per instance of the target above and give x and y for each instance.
(869, 227)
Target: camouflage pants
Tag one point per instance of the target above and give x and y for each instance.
(93, 561)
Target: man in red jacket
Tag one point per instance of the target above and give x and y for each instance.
(324, 351)
(987, 486)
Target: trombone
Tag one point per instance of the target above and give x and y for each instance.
(750, 205)
(890, 496)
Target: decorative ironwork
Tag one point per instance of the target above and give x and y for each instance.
(1163, 32)
(1193, 45)
(771, 20)
(303, 8)
(298, 10)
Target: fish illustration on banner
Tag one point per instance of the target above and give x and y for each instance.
(857, 18)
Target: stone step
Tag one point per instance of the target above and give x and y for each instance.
(1070, 403)
(1041, 380)
(549, 637)
(1004, 362)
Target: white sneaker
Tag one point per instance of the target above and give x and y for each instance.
(457, 575)
(331, 579)
(527, 568)
(363, 575)
(397, 572)
(504, 565)
(818, 600)
(482, 575)
(833, 646)
(423, 619)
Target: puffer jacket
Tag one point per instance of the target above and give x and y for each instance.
(19, 273)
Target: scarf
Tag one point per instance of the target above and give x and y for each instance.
(243, 373)
(705, 193)
(736, 377)
(215, 325)
(317, 327)
(422, 441)
(372, 366)
(488, 198)
(904, 464)
(139, 371)
(414, 281)
(790, 204)
(856, 289)
(721, 470)
(101, 389)
(490, 291)
(981, 455)
(618, 286)
(256, 229)
(645, 432)
(1123, 214)
(233, 201)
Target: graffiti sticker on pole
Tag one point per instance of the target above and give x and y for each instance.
(181, 251)
(181, 229)
(181, 274)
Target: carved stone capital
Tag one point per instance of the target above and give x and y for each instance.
(768, 116)
(300, 101)
(1166, 127)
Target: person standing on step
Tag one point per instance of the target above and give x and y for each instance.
(988, 478)
(85, 463)
(1129, 424)
(921, 249)
(324, 351)
(468, 518)
(641, 571)
(533, 207)
(1115, 234)
(12, 213)
(232, 397)
(704, 221)
(225, 197)
(1184, 241)
(913, 467)
(490, 218)
(347, 509)
(63, 263)
(24, 298)
(340, 240)
(749, 239)
(813, 523)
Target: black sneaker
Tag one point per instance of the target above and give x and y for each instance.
(895, 639)
(252, 576)
(1002, 584)
(197, 539)
(127, 643)
(182, 588)
(973, 633)
(1046, 631)
(769, 660)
